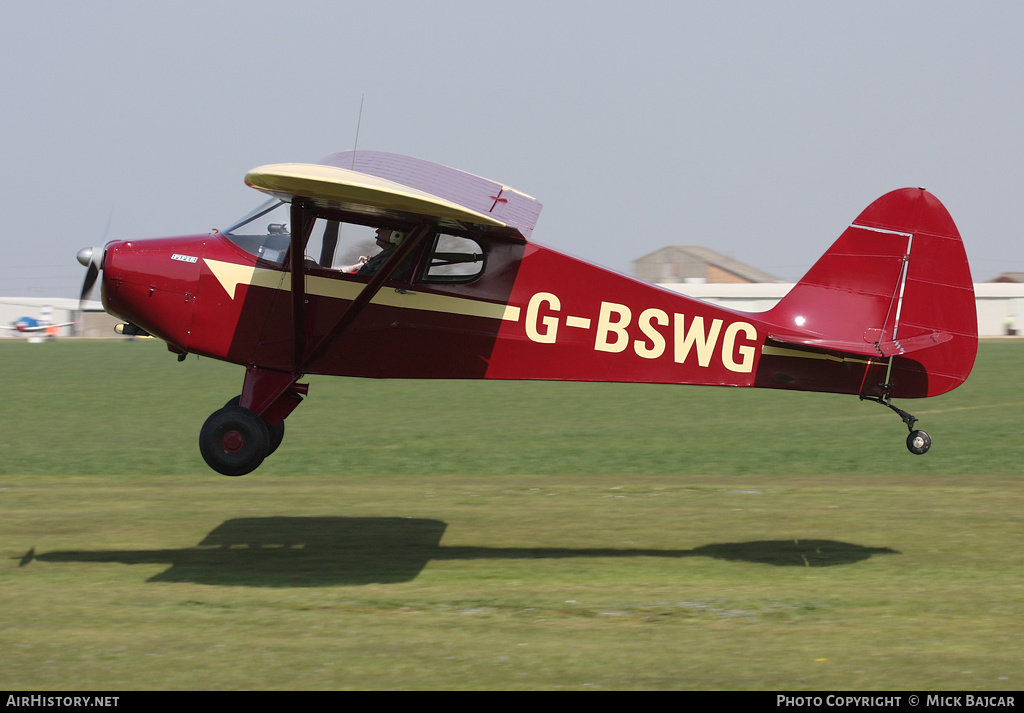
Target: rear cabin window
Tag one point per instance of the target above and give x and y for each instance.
(454, 259)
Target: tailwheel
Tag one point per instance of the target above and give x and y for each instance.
(234, 441)
(919, 442)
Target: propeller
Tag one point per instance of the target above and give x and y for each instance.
(92, 259)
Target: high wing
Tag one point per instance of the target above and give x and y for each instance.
(351, 191)
(399, 187)
(513, 208)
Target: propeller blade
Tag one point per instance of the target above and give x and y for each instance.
(92, 258)
(90, 281)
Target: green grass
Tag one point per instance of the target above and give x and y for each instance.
(128, 408)
(504, 535)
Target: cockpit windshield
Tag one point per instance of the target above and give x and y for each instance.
(263, 231)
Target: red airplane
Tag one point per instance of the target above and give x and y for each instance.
(460, 290)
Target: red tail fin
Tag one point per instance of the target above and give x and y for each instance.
(896, 284)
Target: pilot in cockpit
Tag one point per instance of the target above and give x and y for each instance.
(388, 240)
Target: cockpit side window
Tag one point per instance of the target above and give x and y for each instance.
(340, 246)
(453, 258)
(332, 245)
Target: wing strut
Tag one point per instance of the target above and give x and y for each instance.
(303, 219)
(367, 293)
(330, 243)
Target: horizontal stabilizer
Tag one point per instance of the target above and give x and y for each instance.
(878, 348)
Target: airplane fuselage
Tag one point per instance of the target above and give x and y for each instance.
(533, 314)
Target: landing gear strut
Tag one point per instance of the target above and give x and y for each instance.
(918, 442)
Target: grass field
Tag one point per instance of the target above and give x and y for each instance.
(504, 535)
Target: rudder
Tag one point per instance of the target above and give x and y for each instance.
(895, 286)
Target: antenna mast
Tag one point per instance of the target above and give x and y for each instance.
(358, 124)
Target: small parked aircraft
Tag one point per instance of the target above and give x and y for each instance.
(460, 290)
(30, 325)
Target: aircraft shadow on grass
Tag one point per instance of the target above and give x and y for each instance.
(330, 551)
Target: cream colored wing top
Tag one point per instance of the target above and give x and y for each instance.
(341, 187)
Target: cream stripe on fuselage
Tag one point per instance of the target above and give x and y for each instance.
(782, 351)
(230, 275)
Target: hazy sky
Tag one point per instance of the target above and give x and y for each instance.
(760, 129)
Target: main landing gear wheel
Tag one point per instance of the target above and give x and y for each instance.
(234, 441)
(276, 432)
(276, 436)
(919, 442)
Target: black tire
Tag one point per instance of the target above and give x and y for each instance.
(234, 441)
(276, 432)
(276, 436)
(919, 442)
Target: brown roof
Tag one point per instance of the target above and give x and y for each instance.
(1009, 277)
(677, 263)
